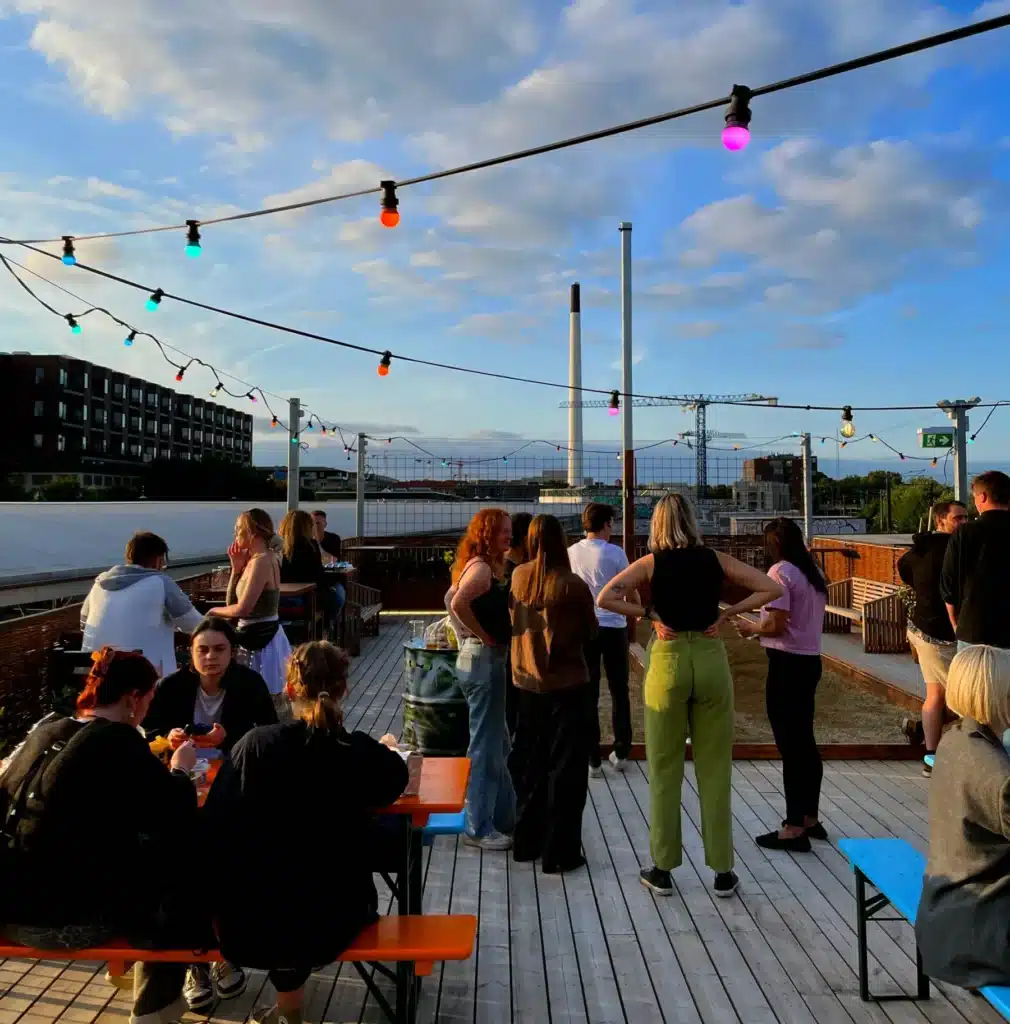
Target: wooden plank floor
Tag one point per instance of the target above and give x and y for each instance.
(595, 947)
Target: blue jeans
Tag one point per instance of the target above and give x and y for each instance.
(490, 798)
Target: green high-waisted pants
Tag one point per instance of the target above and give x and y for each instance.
(689, 692)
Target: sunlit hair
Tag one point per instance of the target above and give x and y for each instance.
(317, 675)
(673, 524)
(548, 556)
(254, 522)
(978, 686)
(478, 541)
(113, 675)
(295, 526)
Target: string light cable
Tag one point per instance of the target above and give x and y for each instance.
(163, 347)
(733, 120)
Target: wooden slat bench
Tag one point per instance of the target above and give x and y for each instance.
(369, 601)
(414, 942)
(895, 869)
(872, 605)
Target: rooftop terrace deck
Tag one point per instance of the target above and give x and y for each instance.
(595, 946)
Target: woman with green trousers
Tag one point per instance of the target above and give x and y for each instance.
(688, 688)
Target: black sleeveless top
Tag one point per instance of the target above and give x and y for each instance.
(686, 587)
(491, 610)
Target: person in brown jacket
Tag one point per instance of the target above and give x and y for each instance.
(553, 619)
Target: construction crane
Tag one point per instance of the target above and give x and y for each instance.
(697, 404)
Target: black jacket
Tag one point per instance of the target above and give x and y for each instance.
(290, 814)
(330, 544)
(305, 565)
(920, 568)
(976, 579)
(110, 832)
(247, 703)
(963, 922)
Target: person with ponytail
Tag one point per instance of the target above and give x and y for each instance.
(300, 796)
(105, 835)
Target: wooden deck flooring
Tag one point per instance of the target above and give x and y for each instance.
(595, 947)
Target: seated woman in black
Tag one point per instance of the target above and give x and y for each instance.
(105, 834)
(302, 562)
(300, 795)
(229, 699)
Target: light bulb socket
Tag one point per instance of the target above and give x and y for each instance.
(192, 238)
(389, 200)
(615, 403)
(179, 375)
(69, 259)
(384, 363)
(72, 323)
(130, 339)
(738, 113)
(154, 301)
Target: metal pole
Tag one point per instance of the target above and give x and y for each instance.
(887, 499)
(294, 450)
(627, 437)
(576, 476)
(808, 489)
(359, 513)
(957, 412)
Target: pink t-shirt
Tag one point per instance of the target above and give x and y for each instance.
(806, 608)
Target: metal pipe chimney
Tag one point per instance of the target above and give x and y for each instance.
(576, 476)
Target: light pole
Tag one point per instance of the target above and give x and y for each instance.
(294, 451)
(627, 442)
(957, 412)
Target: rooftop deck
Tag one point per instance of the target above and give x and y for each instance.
(595, 946)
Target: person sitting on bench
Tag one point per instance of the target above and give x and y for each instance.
(105, 835)
(962, 923)
(291, 816)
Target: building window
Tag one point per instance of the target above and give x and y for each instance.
(185, 455)
(187, 409)
(229, 442)
(166, 403)
(135, 423)
(61, 443)
(118, 419)
(152, 399)
(105, 386)
(119, 390)
(63, 377)
(100, 417)
(137, 395)
(61, 410)
(246, 445)
(230, 422)
(152, 426)
(40, 374)
(198, 436)
(87, 380)
(166, 453)
(37, 440)
(149, 453)
(166, 429)
(135, 449)
(219, 439)
(185, 433)
(84, 442)
(40, 407)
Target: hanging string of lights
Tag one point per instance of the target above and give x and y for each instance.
(180, 365)
(735, 136)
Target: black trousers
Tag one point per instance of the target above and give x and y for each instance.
(550, 765)
(789, 699)
(611, 647)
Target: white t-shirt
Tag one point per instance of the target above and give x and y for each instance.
(597, 562)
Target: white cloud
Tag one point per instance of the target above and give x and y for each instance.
(504, 326)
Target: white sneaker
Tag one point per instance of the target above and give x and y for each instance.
(596, 771)
(619, 763)
(492, 841)
(199, 989)
(229, 979)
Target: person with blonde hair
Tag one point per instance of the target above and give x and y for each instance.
(254, 594)
(295, 797)
(302, 562)
(962, 924)
(688, 688)
(478, 606)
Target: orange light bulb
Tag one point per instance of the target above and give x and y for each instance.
(383, 370)
(389, 218)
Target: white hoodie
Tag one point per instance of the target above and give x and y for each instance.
(133, 608)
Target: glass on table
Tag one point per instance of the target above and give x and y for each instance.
(416, 632)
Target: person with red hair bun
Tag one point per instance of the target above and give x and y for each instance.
(103, 835)
(478, 606)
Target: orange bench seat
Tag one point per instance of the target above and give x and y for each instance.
(420, 939)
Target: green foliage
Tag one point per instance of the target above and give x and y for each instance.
(866, 496)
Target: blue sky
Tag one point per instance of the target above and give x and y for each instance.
(855, 253)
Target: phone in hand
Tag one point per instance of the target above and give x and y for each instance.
(197, 730)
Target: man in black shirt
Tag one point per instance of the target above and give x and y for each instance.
(329, 542)
(975, 582)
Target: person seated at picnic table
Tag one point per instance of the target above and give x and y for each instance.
(294, 798)
(302, 562)
(254, 593)
(963, 923)
(217, 693)
(137, 606)
(106, 835)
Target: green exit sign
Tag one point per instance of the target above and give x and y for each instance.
(936, 437)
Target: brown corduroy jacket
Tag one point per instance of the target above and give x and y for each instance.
(548, 643)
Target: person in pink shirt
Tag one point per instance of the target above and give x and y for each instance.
(790, 632)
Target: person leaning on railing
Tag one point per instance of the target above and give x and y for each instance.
(104, 835)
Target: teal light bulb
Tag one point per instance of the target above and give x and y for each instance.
(76, 329)
(192, 251)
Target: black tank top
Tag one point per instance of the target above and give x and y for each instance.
(686, 587)
(491, 610)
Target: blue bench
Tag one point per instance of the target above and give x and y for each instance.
(443, 825)
(895, 869)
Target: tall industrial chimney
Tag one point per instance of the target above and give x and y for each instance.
(576, 477)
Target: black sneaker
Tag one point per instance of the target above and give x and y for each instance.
(794, 844)
(658, 881)
(816, 831)
(725, 884)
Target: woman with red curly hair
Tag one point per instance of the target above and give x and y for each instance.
(478, 605)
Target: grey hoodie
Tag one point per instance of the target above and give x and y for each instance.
(120, 577)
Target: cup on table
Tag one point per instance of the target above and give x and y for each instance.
(417, 632)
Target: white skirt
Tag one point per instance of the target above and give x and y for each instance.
(272, 661)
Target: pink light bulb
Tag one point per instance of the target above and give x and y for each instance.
(614, 411)
(735, 137)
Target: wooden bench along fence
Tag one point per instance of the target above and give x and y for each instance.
(876, 607)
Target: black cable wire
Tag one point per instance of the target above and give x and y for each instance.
(856, 64)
